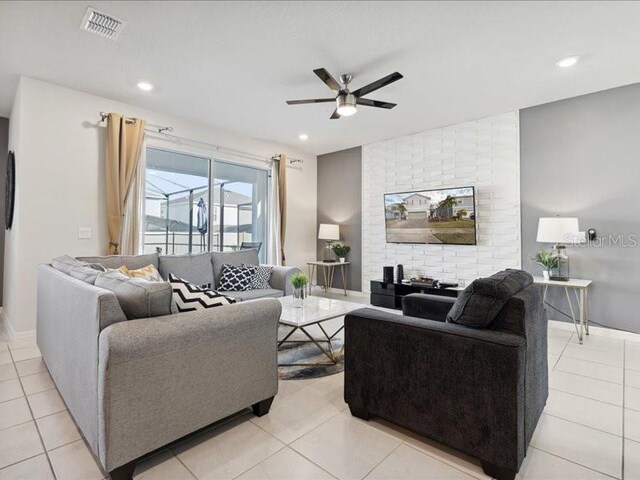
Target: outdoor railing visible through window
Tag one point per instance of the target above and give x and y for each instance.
(188, 209)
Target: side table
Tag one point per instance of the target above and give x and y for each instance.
(328, 268)
(580, 289)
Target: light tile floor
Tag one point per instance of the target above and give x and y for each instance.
(590, 428)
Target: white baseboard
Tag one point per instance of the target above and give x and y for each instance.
(14, 335)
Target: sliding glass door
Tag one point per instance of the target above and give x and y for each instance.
(239, 208)
(195, 204)
(176, 203)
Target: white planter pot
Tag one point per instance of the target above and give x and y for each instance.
(342, 259)
(545, 275)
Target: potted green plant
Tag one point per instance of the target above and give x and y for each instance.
(547, 260)
(299, 281)
(341, 250)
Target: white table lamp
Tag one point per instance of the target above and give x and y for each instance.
(330, 233)
(559, 231)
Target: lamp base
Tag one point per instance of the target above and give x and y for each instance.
(327, 253)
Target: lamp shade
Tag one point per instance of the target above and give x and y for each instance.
(558, 230)
(329, 231)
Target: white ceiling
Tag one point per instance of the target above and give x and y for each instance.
(232, 65)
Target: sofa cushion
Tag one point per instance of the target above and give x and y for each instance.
(76, 268)
(237, 279)
(138, 298)
(253, 294)
(195, 269)
(219, 259)
(190, 298)
(481, 302)
(260, 279)
(130, 261)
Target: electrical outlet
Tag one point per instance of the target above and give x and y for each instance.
(85, 233)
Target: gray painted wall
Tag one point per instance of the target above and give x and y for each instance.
(340, 201)
(4, 144)
(581, 157)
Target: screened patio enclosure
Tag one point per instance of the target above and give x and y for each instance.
(196, 204)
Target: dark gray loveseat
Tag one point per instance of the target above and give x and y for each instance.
(478, 385)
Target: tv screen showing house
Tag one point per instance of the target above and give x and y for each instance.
(445, 216)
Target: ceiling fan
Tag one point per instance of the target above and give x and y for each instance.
(345, 99)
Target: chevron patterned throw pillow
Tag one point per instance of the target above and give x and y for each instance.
(190, 297)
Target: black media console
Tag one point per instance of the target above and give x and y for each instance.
(390, 295)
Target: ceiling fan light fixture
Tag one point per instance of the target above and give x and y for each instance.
(346, 105)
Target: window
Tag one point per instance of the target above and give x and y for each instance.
(180, 190)
(240, 207)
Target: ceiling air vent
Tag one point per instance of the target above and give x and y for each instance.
(102, 24)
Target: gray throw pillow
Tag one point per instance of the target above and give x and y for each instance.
(77, 269)
(138, 298)
(260, 279)
(480, 303)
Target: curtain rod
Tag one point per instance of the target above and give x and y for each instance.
(163, 131)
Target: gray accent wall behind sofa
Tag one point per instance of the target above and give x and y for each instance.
(340, 201)
(581, 157)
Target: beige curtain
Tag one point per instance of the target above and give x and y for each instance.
(282, 202)
(124, 144)
(132, 236)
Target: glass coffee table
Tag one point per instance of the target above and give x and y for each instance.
(316, 311)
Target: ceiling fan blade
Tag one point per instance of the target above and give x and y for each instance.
(375, 103)
(362, 91)
(310, 100)
(335, 115)
(327, 79)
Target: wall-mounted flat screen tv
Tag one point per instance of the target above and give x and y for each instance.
(445, 216)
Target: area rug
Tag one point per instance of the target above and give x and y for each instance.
(299, 352)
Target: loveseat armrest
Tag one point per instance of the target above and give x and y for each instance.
(281, 278)
(431, 307)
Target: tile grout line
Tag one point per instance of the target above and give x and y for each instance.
(624, 394)
(593, 361)
(35, 423)
(587, 376)
(182, 463)
(582, 424)
(381, 461)
(588, 398)
(573, 462)
(452, 464)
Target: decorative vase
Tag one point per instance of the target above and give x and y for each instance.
(545, 275)
(342, 259)
(299, 295)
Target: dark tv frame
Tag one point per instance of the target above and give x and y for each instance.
(475, 211)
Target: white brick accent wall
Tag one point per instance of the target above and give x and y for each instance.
(483, 153)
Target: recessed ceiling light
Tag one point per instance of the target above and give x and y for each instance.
(146, 86)
(567, 62)
(303, 136)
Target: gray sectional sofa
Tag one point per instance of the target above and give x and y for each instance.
(134, 386)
